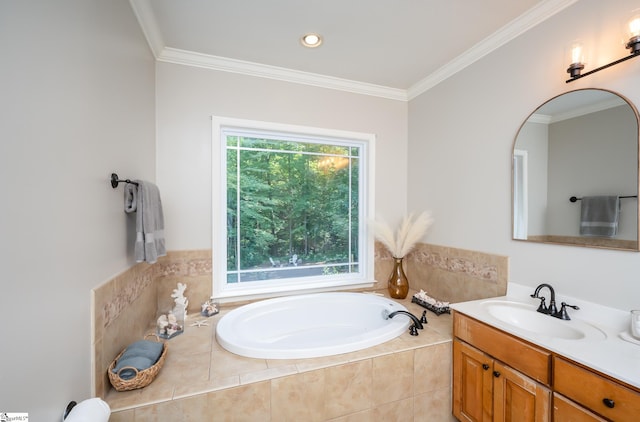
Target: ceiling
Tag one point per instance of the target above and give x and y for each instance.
(390, 48)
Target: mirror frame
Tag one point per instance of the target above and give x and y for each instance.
(600, 243)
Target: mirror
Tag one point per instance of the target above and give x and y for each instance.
(571, 152)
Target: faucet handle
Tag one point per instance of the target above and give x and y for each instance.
(562, 313)
(543, 306)
(413, 330)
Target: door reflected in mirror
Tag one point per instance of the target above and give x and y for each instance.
(581, 144)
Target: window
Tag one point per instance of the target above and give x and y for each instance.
(297, 204)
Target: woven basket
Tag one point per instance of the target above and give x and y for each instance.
(142, 378)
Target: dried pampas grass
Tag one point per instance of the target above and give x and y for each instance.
(409, 233)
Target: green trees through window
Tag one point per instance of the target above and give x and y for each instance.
(293, 206)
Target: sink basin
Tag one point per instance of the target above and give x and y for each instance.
(525, 317)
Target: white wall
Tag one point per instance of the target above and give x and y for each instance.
(461, 135)
(187, 97)
(77, 102)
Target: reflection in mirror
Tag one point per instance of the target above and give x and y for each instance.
(581, 144)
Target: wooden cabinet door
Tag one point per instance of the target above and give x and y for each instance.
(517, 397)
(472, 383)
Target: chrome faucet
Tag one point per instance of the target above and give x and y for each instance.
(551, 309)
(417, 325)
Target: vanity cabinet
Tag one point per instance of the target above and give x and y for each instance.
(594, 392)
(497, 377)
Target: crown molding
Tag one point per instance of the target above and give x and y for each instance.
(534, 16)
(149, 25)
(190, 58)
(537, 14)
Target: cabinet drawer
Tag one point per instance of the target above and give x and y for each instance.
(594, 391)
(519, 355)
(567, 411)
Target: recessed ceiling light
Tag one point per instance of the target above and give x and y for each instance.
(311, 40)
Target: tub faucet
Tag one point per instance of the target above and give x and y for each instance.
(551, 309)
(417, 325)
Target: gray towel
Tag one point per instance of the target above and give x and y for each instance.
(144, 199)
(599, 216)
(149, 349)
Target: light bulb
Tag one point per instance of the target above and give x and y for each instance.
(577, 55)
(634, 26)
(633, 31)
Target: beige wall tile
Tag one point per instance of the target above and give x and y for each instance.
(363, 416)
(100, 379)
(198, 290)
(245, 403)
(195, 368)
(392, 377)
(191, 388)
(123, 416)
(348, 388)
(433, 406)
(197, 409)
(225, 364)
(299, 397)
(194, 408)
(456, 275)
(400, 410)
(166, 411)
(194, 339)
(432, 368)
(268, 374)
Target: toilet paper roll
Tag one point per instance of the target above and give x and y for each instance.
(90, 410)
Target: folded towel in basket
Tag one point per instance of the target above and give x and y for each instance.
(149, 349)
(599, 216)
(144, 199)
(124, 366)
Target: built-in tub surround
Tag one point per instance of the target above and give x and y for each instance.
(124, 305)
(407, 378)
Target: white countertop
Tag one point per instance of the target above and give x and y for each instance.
(606, 352)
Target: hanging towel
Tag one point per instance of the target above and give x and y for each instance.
(144, 200)
(599, 216)
(130, 198)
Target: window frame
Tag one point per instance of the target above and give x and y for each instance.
(224, 291)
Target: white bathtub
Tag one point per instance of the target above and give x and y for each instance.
(308, 326)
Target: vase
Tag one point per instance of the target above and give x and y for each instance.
(398, 282)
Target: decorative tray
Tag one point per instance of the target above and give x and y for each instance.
(435, 309)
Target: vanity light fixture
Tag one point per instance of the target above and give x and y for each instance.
(311, 40)
(577, 60)
(633, 45)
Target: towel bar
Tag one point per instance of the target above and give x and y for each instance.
(575, 198)
(115, 180)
